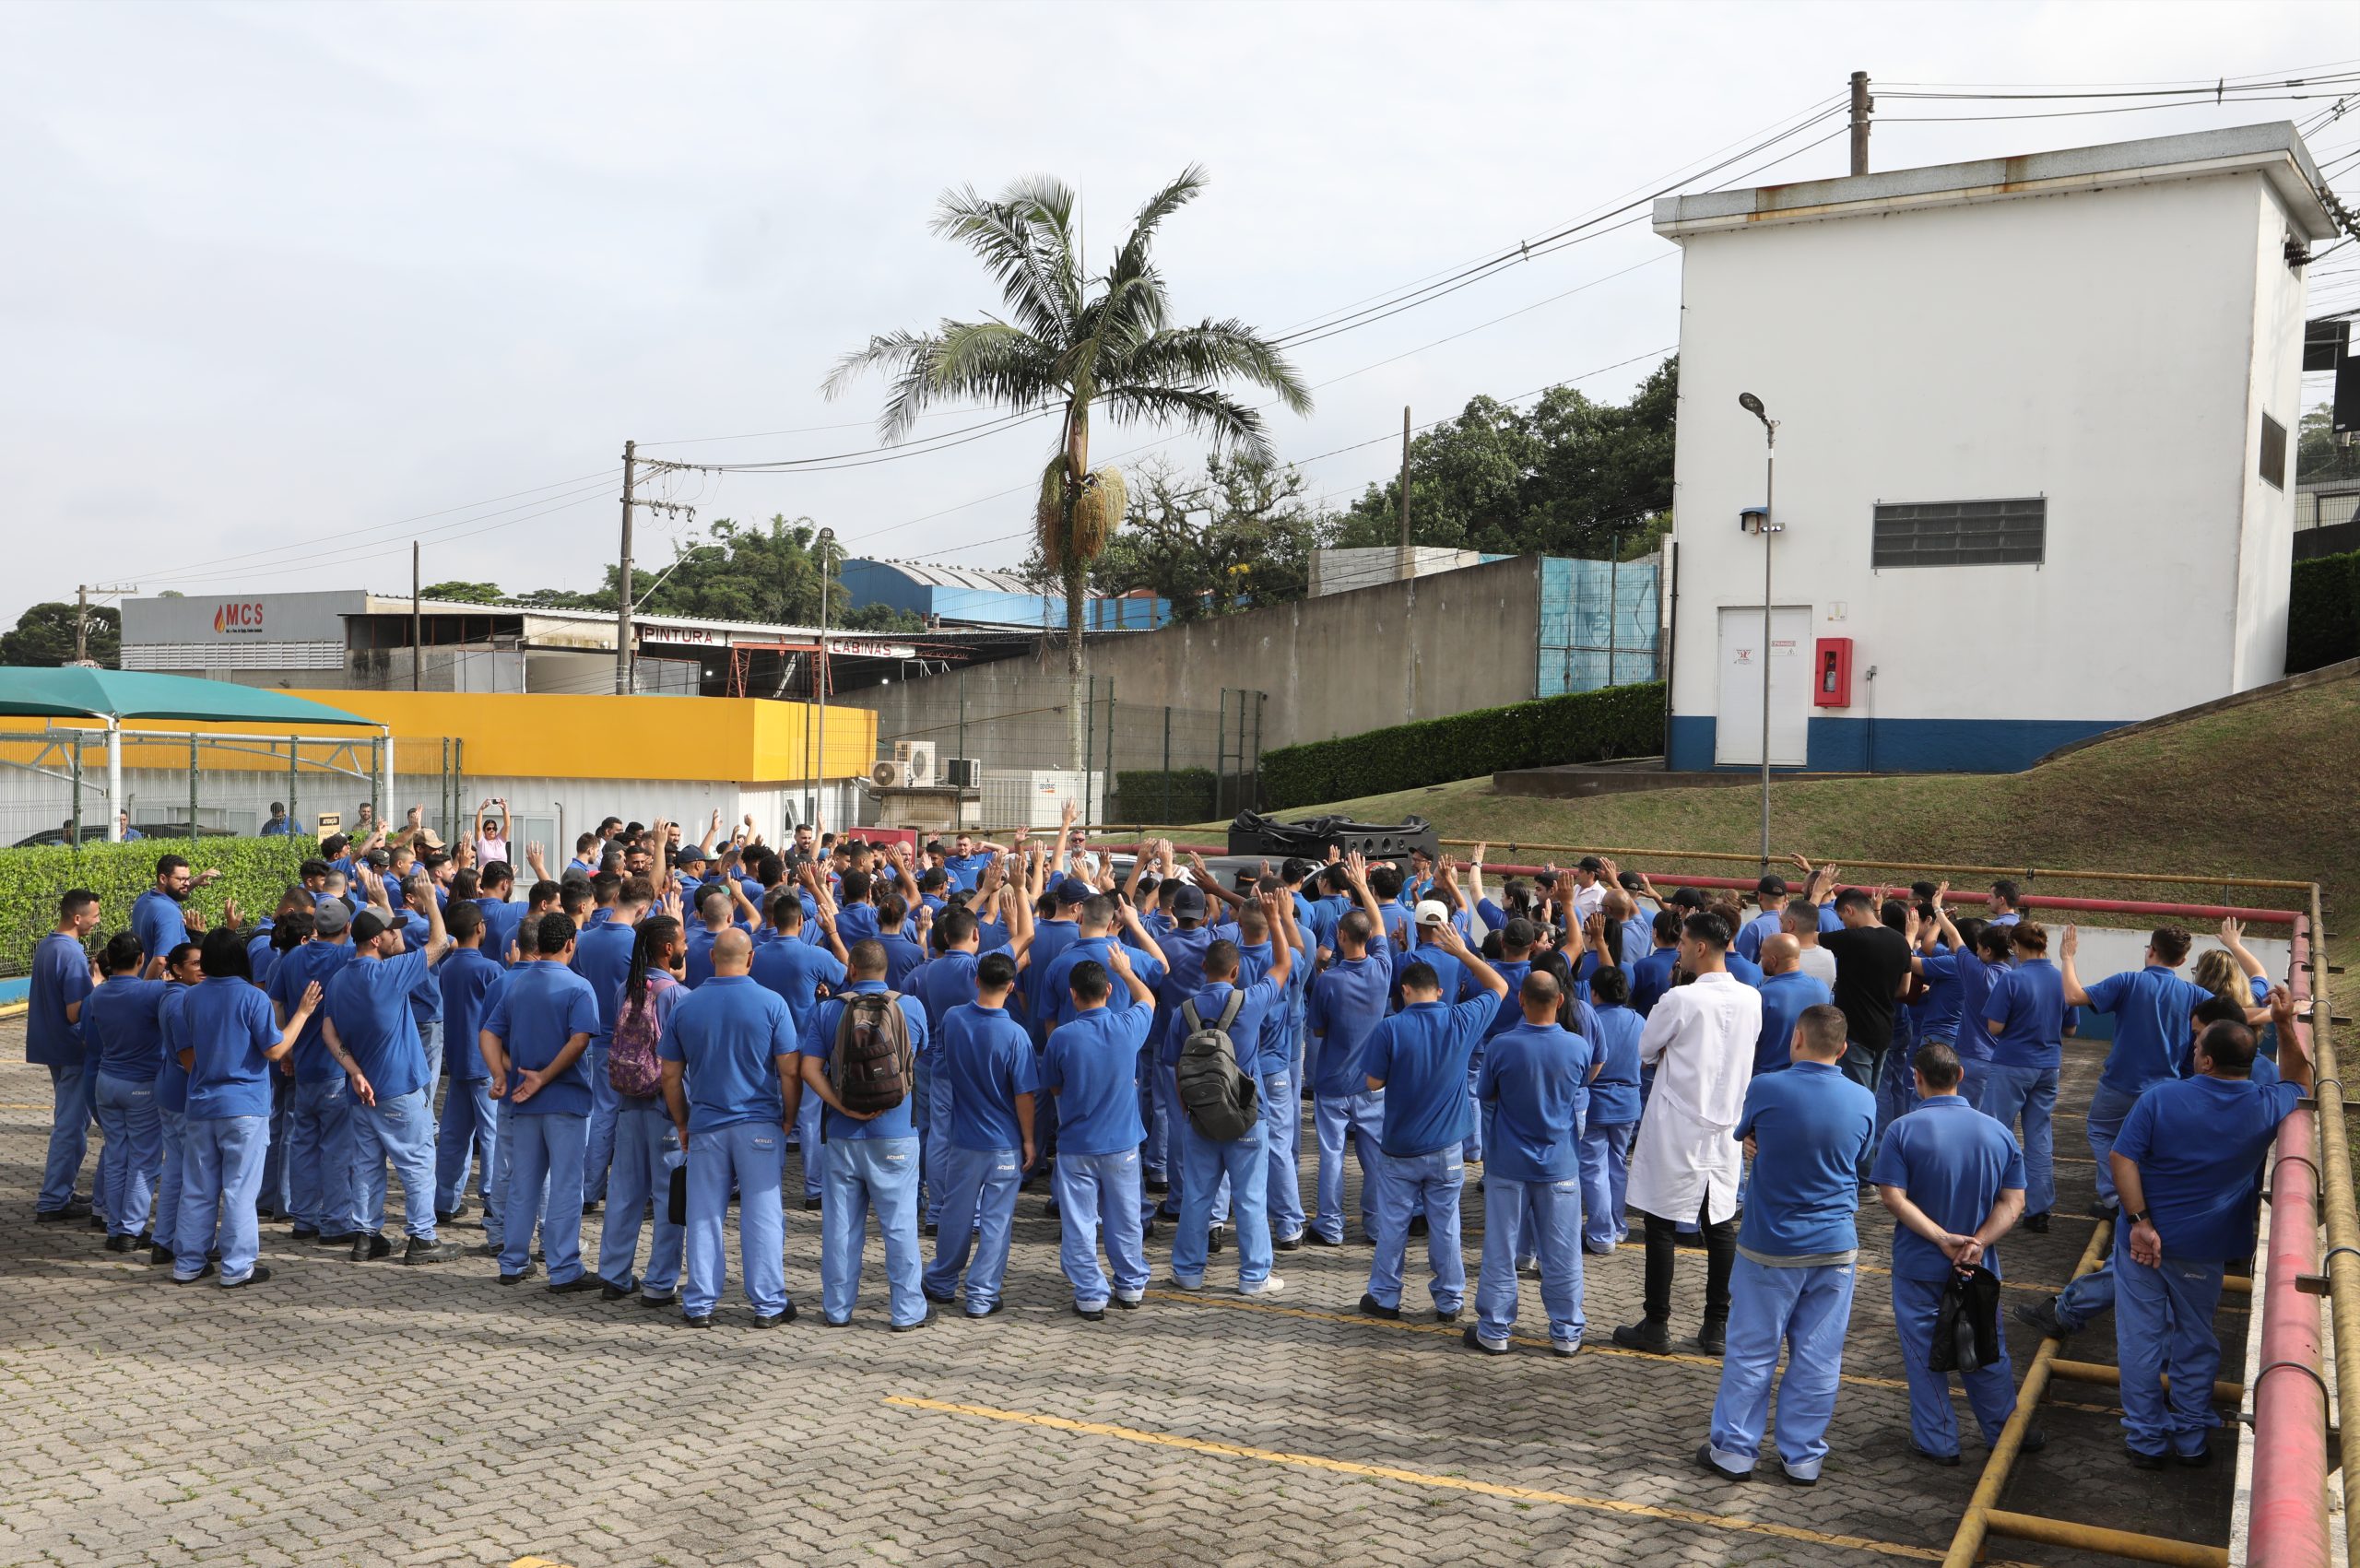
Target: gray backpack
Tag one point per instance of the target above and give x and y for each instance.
(1218, 1095)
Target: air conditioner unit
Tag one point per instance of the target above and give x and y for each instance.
(889, 774)
(916, 758)
(962, 772)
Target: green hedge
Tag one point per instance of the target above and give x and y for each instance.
(254, 872)
(1585, 726)
(2323, 612)
(1150, 794)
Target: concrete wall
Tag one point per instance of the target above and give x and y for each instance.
(1333, 665)
(1994, 349)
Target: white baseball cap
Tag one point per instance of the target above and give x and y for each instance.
(1432, 911)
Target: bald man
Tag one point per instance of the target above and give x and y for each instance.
(1787, 994)
(732, 1080)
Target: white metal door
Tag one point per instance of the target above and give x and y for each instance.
(1737, 735)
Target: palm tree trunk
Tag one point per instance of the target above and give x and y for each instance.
(1077, 584)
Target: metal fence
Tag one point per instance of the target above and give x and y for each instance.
(53, 783)
(1147, 761)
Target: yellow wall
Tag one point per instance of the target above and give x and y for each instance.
(740, 740)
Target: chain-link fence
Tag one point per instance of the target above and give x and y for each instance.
(1143, 761)
(54, 784)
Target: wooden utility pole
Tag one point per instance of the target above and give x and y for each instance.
(1861, 104)
(1406, 571)
(416, 648)
(622, 580)
(82, 592)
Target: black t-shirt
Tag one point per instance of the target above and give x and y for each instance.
(1870, 964)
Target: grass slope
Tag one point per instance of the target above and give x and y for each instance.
(2271, 789)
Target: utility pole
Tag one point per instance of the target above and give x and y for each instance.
(417, 649)
(82, 592)
(622, 580)
(1406, 571)
(827, 544)
(1861, 104)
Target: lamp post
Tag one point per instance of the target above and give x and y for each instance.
(1752, 406)
(826, 543)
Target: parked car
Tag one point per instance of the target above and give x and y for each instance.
(96, 832)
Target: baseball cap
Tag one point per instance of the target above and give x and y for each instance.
(1188, 900)
(368, 924)
(331, 917)
(1770, 885)
(430, 838)
(1432, 911)
(1073, 889)
(689, 854)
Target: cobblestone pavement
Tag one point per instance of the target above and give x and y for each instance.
(349, 1413)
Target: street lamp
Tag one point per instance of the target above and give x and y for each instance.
(826, 545)
(1769, 528)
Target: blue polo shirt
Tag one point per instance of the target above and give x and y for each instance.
(501, 919)
(901, 955)
(1651, 977)
(1421, 1054)
(793, 971)
(1184, 967)
(1091, 1065)
(1614, 1092)
(426, 1001)
(1274, 1050)
(470, 980)
(155, 919)
(2199, 1144)
(967, 871)
(1347, 1002)
(1953, 1162)
(61, 977)
(120, 1026)
(230, 1026)
(1534, 1077)
(1745, 970)
(2151, 1013)
(989, 1060)
(856, 922)
(818, 1041)
(172, 1022)
(1937, 1017)
(1261, 997)
(1748, 942)
(2028, 1004)
(1815, 1126)
(1637, 940)
(370, 1002)
(543, 1005)
(1976, 979)
(697, 967)
(260, 956)
(1057, 987)
(1511, 1012)
(727, 1036)
(1050, 937)
(602, 957)
(296, 970)
(1448, 971)
(1784, 997)
(947, 981)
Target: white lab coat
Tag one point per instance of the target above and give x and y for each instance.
(1700, 1038)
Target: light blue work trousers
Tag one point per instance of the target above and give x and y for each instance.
(73, 1088)
(319, 1156)
(1358, 1119)
(1282, 1148)
(1807, 1311)
(172, 1124)
(2086, 1295)
(1991, 1391)
(598, 1138)
(2163, 1323)
(866, 1173)
(1210, 1169)
(647, 1150)
(1406, 1187)
(978, 1189)
(1606, 1177)
(399, 1130)
(2029, 1094)
(1556, 1212)
(468, 1136)
(221, 1174)
(2108, 1106)
(1095, 1193)
(545, 1189)
(131, 1161)
(744, 1155)
(807, 1142)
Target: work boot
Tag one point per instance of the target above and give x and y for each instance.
(368, 1245)
(1648, 1335)
(2042, 1314)
(1713, 1336)
(421, 1250)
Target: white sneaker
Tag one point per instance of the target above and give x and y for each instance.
(1175, 1283)
(1271, 1286)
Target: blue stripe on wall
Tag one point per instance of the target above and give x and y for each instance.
(1905, 746)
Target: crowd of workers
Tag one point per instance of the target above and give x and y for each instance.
(657, 1026)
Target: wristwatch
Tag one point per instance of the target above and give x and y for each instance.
(2138, 1218)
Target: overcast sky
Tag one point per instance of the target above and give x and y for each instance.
(277, 279)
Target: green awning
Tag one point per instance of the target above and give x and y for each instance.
(78, 693)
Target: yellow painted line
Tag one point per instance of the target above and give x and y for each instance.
(15, 1009)
(1419, 1478)
(539, 1563)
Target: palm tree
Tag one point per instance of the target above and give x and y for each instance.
(1074, 343)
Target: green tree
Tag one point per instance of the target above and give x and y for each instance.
(44, 636)
(1076, 345)
(458, 593)
(2317, 454)
(1237, 537)
(1568, 476)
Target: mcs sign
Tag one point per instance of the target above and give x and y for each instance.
(238, 617)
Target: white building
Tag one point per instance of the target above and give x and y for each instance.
(2034, 449)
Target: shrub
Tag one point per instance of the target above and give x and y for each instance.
(254, 871)
(1583, 727)
(2323, 612)
(1151, 795)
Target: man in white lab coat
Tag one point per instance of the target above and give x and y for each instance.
(1684, 1163)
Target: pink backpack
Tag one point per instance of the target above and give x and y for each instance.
(633, 1064)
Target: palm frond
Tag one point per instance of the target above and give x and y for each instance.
(1024, 238)
(1209, 352)
(1227, 424)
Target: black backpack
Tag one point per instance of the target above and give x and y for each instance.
(1218, 1095)
(872, 1068)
